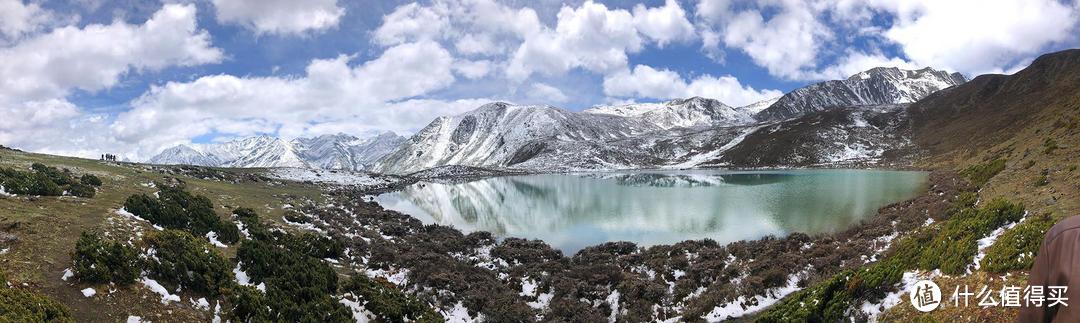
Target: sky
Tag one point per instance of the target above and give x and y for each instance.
(127, 77)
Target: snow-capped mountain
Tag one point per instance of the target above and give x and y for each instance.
(881, 85)
(328, 152)
(684, 113)
(501, 134)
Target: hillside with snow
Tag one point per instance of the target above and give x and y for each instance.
(338, 151)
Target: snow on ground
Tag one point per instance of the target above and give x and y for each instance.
(134, 319)
(166, 297)
(701, 158)
(338, 177)
(89, 292)
(460, 314)
(67, 274)
(241, 276)
(4, 251)
(200, 303)
(359, 313)
(5, 193)
(735, 308)
(908, 281)
(212, 236)
(123, 212)
(613, 301)
(988, 241)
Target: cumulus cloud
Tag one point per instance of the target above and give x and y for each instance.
(977, 37)
(647, 82)
(546, 94)
(362, 97)
(280, 16)
(17, 18)
(39, 71)
(96, 56)
(664, 24)
(969, 36)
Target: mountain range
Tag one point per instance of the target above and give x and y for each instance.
(338, 151)
(861, 119)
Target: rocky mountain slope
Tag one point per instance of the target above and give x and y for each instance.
(872, 87)
(338, 151)
(797, 129)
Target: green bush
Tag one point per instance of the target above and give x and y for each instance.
(17, 305)
(954, 248)
(176, 208)
(248, 304)
(181, 259)
(1049, 146)
(295, 217)
(299, 287)
(100, 261)
(81, 190)
(1043, 178)
(42, 181)
(1016, 248)
(389, 304)
(316, 245)
(979, 174)
(830, 299)
(90, 179)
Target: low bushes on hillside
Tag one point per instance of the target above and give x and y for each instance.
(979, 174)
(1017, 247)
(299, 286)
(181, 259)
(949, 246)
(387, 303)
(90, 179)
(956, 244)
(100, 261)
(17, 305)
(44, 180)
(176, 208)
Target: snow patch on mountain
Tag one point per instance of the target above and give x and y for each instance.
(338, 151)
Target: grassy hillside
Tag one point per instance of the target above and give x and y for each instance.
(40, 232)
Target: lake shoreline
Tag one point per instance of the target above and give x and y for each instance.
(688, 279)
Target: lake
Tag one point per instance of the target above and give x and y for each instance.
(573, 211)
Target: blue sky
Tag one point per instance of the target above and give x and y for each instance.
(133, 77)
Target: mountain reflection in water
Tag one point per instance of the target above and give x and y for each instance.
(572, 211)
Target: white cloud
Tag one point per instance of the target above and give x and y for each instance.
(17, 18)
(785, 42)
(473, 69)
(361, 97)
(977, 37)
(664, 24)
(96, 56)
(412, 22)
(547, 94)
(969, 36)
(280, 16)
(590, 37)
(647, 82)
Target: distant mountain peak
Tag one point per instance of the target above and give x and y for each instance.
(875, 86)
(329, 151)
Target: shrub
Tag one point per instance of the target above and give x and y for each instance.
(954, 248)
(181, 259)
(316, 245)
(299, 287)
(248, 304)
(100, 261)
(979, 174)
(1043, 178)
(1016, 248)
(43, 181)
(17, 305)
(1049, 146)
(90, 179)
(176, 208)
(387, 303)
(295, 217)
(81, 190)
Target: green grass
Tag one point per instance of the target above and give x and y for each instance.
(954, 247)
